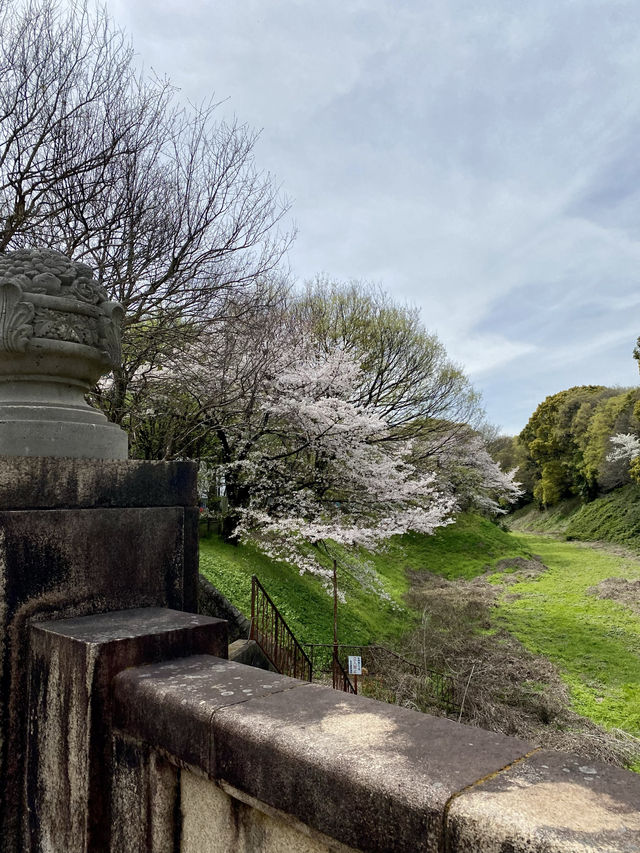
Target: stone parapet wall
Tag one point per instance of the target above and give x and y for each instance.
(133, 748)
(346, 772)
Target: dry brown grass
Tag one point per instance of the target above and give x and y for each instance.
(500, 685)
(620, 590)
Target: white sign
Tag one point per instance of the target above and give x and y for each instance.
(355, 665)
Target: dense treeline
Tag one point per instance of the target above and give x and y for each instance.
(324, 413)
(566, 448)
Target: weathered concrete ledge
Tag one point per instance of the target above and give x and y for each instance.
(549, 802)
(373, 776)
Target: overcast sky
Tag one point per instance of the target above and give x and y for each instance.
(479, 159)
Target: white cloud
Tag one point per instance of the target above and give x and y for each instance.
(483, 353)
(476, 159)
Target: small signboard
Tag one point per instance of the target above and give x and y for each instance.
(355, 665)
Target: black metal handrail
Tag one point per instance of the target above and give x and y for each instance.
(275, 638)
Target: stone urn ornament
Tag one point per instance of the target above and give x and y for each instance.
(59, 333)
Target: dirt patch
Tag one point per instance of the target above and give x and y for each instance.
(520, 569)
(501, 685)
(620, 590)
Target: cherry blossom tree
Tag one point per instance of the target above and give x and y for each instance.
(326, 472)
(465, 469)
(405, 373)
(305, 459)
(625, 446)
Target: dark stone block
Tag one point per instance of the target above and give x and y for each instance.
(31, 482)
(549, 802)
(79, 537)
(191, 559)
(63, 557)
(72, 664)
(61, 563)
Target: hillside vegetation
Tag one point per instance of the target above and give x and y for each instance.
(375, 610)
(525, 625)
(568, 443)
(614, 517)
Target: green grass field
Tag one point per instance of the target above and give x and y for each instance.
(594, 642)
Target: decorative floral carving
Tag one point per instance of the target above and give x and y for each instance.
(111, 330)
(87, 291)
(47, 271)
(65, 326)
(15, 318)
(54, 280)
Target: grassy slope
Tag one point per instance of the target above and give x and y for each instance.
(461, 550)
(594, 642)
(612, 518)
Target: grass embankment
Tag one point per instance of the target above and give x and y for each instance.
(594, 642)
(457, 551)
(554, 612)
(568, 613)
(611, 518)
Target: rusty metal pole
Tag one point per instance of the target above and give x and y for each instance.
(335, 621)
(252, 630)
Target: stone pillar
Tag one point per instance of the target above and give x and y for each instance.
(79, 537)
(70, 760)
(58, 335)
(82, 530)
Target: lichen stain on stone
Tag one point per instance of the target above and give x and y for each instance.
(559, 805)
(357, 728)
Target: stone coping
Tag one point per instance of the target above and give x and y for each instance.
(32, 482)
(137, 623)
(375, 776)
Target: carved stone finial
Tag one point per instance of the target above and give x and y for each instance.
(44, 294)
(58, 334)
(16, 316)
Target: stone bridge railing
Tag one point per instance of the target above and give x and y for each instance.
(124, 729)
(200, 754)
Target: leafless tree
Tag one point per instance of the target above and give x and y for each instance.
(104, 163)
(202, 397)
